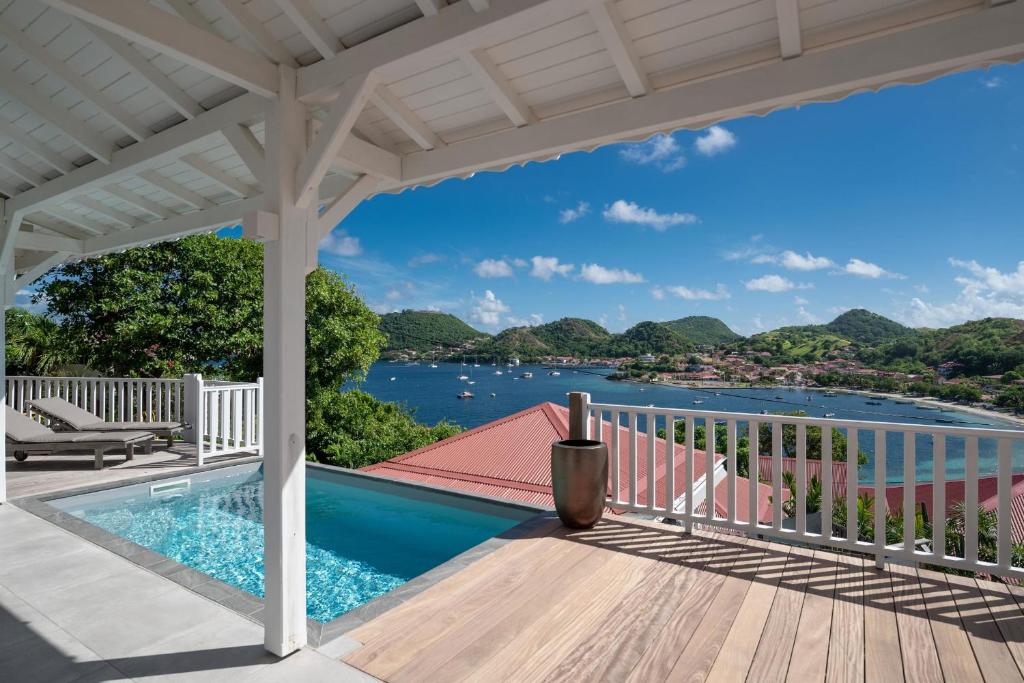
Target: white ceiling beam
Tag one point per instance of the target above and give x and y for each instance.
(157, 79)
(19, 169)
(404, 117)
(33, 146)
(247, 147)
(430, 8)
(75, 219)
(497, 86)
(345, 202)
(312, 26)
(372, 133)
(37, 241)
(620, 47)
(229, 183)
(919, 53)
(176, 190)
(60, 69)
(9, 190)
(187, 11)
(35, 272)
(144, 24)
(116, 215)
(341, 117)
(480, 5)
(154, 152)
(402, 51)
(256, 33)
(365, 157)
(47, 109)
(138, 201)
(788, 16)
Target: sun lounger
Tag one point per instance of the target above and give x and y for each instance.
(82, 420)
(27, 437)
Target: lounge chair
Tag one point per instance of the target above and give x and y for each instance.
(82, 420)
(27, 437)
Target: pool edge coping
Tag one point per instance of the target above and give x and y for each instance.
(251, 607)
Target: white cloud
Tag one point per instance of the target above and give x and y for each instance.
(715, 141)
(599, 275)
(806, 316)
(992, 82)
(424, 259)
(531, 320)
(519, 263)
(393, 294)
(493, 268)
(794, 261)
(658, 293)
(720, 292)
(544, 267)
(770, 283)
(869, 270)
(988, 292)
(661, 150)
(800, 301)
(570, 215)
(340, 243)
(622, 211)
(757, 323)
(488, 309)
(622, 313)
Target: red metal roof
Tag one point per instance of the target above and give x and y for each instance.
(510, 458)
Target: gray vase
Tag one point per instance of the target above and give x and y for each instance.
(579, 479)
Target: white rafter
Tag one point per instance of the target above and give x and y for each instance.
(365, 157)
(187, 11)
(33, 146)
(229, 183)
(247, 147)
(788, 13)
(403, 117)
(49, 110)
(137, 200)
(73, 218)
(164, 86)
(256, 33)
(36, 52)
(38, 270)
(620, 47)
(497, 86)
(176, 190)
(164, 32)
(116, 215)
(341, 117)
(345, 202)
(19, 169)
(312, 26)
(430, 8)
(38, 241)
(8, 190)
(480, 5)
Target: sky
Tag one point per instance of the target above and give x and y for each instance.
(908, 202)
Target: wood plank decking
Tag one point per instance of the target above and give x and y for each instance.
(637, 601)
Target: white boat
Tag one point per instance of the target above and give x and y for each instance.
(830, 414)
(555, 373)
(498, 372)
(697, 401)
(393, 379)
(493, 395)
(470, 382)
(527, 375)
(433, 365)
(465, 394)
(463, 377)
(476, 365)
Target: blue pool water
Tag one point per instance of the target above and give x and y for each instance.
(362, 540)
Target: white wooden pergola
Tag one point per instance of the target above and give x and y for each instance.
(129, 122)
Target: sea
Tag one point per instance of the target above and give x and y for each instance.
(432, 395)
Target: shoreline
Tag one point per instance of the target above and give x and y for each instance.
(1015, 420)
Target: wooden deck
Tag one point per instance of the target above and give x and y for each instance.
(638, 601)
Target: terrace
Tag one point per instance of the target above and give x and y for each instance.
(127, 124)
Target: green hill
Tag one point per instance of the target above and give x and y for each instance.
(796, 344)
(866, 327)
(649, 337)
(982, 347)
(563, 337)
(425, 331)
(702, 330)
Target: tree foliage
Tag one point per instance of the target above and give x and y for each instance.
(426, 331)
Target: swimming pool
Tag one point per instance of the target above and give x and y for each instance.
(364, 537)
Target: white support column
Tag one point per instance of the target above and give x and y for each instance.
(284, 370)
(6, 283)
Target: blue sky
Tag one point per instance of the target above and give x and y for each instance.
(908, 202)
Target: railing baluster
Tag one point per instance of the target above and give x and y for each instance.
(691, 509)
(652, 433)
(776, 475)
(237, 407)
(826, 481)
(971, 499)
(880, 502)
(632, 458)
(1005, 496)
(852, 482)
(670, 463)
(939, 495)
(730, 437)
(801, 479)
(753, 461)
(909, 493)
(614, 461)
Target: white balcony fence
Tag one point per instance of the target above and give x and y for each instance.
(1001, 453)
(220, 417)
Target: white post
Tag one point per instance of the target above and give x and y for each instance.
(284, 365)
(579, 418)
(192, 394)
(6, 284)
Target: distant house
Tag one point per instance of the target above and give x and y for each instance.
(510, 458)
(647, 358)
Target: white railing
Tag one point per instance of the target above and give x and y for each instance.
(229, 418)
(114, 399)
(691, 502)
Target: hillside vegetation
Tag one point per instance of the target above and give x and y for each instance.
(702, 330)
(425, 331)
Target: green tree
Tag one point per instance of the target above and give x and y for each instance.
(35, 344)
(1012, 397)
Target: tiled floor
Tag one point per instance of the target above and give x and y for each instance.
(71, 611)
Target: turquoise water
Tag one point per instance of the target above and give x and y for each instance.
(360, 543)
(432, 393)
